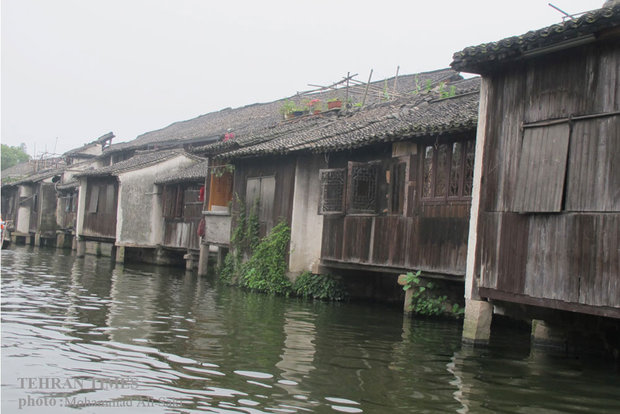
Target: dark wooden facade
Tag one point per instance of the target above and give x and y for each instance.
(418, 215)
(67, 209)
(101, 204)
(549, 222)
(271, 181)
(43, 209)
(10, 205)
(182, 212)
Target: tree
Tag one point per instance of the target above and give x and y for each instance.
(13, 155)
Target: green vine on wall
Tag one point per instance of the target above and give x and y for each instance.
(261, 264)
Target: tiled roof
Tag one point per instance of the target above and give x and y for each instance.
(251, 118)
(420, 115)
(40, 176)
(196, 172)
(140, 160)
(482, 58)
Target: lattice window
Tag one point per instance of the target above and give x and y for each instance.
(332, 190)
(362, 190)
(448, 170)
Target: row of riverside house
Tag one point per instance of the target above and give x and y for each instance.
(509, 184)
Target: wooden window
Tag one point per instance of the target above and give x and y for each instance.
(447, 171)
(362, 190)
(542, 169)
(332, 190)
(93, 202)
(220, 191)
(397, 179)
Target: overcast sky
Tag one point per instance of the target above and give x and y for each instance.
(73, 70)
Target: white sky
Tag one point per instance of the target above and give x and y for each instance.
(73, 70)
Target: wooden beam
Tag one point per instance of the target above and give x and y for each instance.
(606, 311)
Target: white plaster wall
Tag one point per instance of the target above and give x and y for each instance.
(81, 207)
(137, 224)
(471, 291)
(306, 224)
(23, 212)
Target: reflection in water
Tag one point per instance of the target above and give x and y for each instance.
(156, 339)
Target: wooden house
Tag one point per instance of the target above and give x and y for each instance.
(119, 207)
(30, 208)
(182, 199)
(384, 188)
(67, 186)
(546, 207)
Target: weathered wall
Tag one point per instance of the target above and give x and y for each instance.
(135, 225)
(23, 211)
(306, 223)
(217, 228)
(559, 253)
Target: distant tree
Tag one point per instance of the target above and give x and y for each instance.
(13, 155)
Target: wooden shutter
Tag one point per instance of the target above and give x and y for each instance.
(542, 169)
(332, 190)
(362, 191)
(94, 199)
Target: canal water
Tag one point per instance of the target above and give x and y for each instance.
(86, 335)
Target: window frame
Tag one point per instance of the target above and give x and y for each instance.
(467, 146)
(323, 183)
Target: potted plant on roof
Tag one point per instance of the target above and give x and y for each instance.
(334, 103)
(315, 106)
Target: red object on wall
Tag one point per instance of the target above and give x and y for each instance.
(201, 195)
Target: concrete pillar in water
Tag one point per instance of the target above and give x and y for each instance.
(80, 248)
(120, 254)
(408, 295)
(477, 323)
(60, 240)
(545, 335)
(203, 261)
(37, 239)
(191, 261)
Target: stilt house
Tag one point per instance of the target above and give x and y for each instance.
(546, 212)
(384, 188)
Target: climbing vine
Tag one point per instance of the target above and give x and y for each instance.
(324, 287)
(425, 301)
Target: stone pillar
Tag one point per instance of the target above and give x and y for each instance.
(60, 240)
(203, 261)
(477, 323)
(120, 254)
(408, 294)
(80, 247)
(191, 261)
(548, 336)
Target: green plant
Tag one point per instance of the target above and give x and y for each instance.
(443, 93)
(220, 170)
(265, 270)
(287, 107)
(424, 301)
(325, 287)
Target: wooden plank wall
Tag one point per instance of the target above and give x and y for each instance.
(283, 169)
(182, 232)
(571, 256)
(103, 222)
(431, 236)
